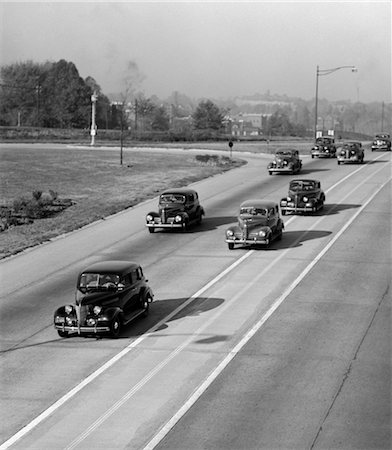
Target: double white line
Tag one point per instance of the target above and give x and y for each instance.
(199, 391)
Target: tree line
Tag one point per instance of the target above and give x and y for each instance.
(54, 95)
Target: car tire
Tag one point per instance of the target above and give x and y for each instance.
(279, 236)
(115, 327)
(230, 245)
(151, 229)
(312, 156)
(338, 163)
(283, 212)
(63, 334)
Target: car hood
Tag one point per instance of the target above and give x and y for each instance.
(173, 209)
(94, 298)
(252, 222)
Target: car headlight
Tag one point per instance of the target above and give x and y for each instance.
(68, 309)
(178, 219)
(97, 309)
(262, 233)
(149, 218)
(305, 199)
(229, 233)
(289, 199)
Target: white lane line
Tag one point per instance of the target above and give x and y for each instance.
(45, 414)
(26, 429)
(216, 372)
(176, 351)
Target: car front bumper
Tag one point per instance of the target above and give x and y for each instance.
(165, 225)
(322, 154)
(298, 208)
(249, 241)
(383, 148)
(354, 159)
(82, 330)
(280, 169)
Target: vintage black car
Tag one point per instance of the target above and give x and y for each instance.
(177, 208)
(109, 294)
(285, 161)
(350, 152)
(259, 222)
(324, 147)
(382, 141)
(304, 196)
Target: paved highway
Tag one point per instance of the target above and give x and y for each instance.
(285, 348)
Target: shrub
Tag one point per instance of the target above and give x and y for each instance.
(37, 195)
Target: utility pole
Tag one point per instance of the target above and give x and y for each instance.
(93, 131)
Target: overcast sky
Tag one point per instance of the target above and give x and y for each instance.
(211, 49)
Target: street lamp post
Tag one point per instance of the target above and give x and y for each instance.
(320, 73)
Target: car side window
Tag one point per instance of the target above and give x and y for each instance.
(126, 280)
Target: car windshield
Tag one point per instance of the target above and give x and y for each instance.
(252, 211)
(96, 281)
(172, 198)
(284, 153)
(302, 185)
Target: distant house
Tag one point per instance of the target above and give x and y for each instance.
(251, 124)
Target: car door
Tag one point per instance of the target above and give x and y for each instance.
(272, 218)
(132, 297)
(190, 206)
(137, 285)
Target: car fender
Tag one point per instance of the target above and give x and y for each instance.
(111, 312)
(201, 210)
(153, 214)
(146, 291)
(267, 230)
(61, 311)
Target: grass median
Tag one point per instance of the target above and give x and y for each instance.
(95, 182)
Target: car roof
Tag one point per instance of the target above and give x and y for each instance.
(304, 180)
(111, 267)
(183, 191)
(289, 150)
(256, 202)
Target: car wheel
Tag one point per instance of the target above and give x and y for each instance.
(312, 156)
(63, 334)
(338, 163)
(115, 327)
(230, 245)
(283, 212)
(279, 236)
(151, 229)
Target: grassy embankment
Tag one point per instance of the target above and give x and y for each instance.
(94, 180)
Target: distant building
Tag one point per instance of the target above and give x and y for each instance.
(248, 124)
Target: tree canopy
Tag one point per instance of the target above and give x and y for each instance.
(48, 95)
(207, 116)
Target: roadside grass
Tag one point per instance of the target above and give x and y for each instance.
(94, 180)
